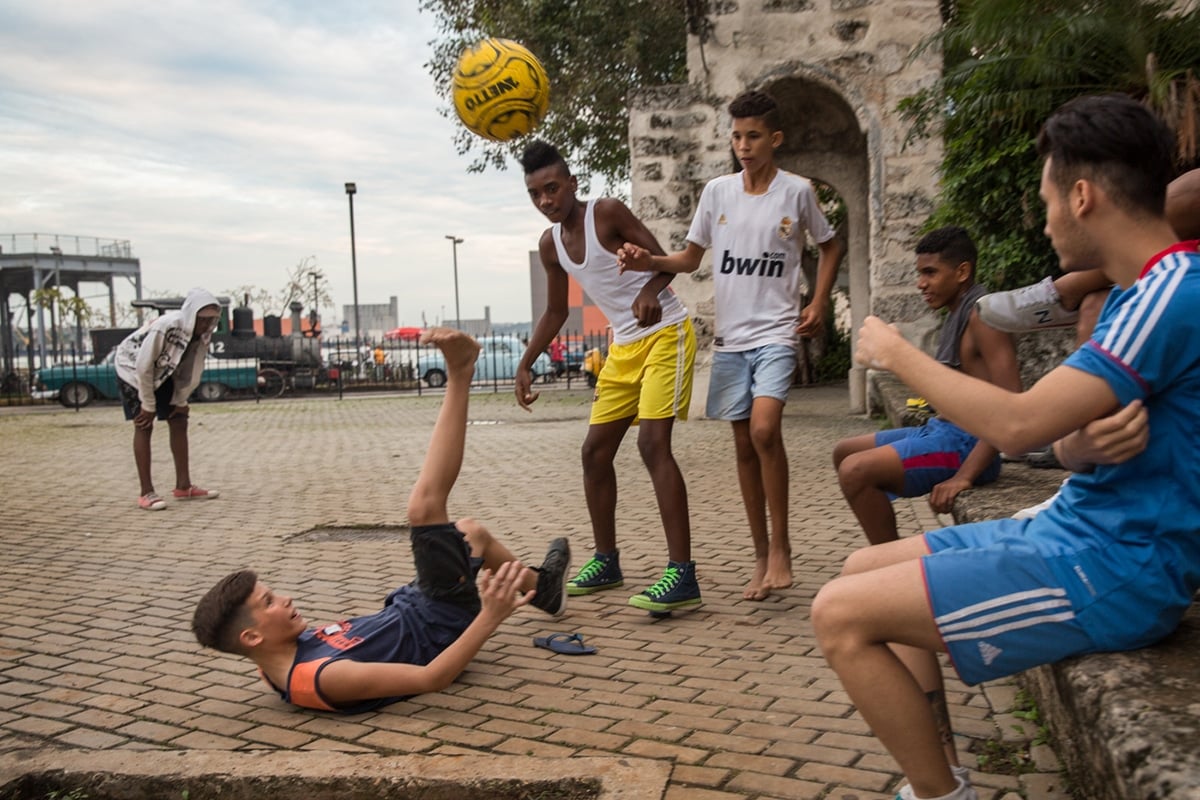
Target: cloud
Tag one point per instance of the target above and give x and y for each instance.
(217, 136)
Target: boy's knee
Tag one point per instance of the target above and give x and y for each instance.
(766, 436)
(424, 508)
(852, 472)
(828, 615)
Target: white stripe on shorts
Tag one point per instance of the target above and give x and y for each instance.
(1005, 613)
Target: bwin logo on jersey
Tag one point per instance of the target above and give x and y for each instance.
(769, 266)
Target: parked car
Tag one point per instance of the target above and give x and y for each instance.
(79, 384)
(498, 359)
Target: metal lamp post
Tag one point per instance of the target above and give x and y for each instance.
(350, 190)
(454, 243)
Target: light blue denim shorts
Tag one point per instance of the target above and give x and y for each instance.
(738, 378)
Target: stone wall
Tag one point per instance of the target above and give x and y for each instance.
(838, 69)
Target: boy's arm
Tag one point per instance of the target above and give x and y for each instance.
(1063, 401)
(617, 227)
(638, 259)
(999, 356)
(148, 353)
(548, 325)
(188, 373)
(347, 681)
(812, 316)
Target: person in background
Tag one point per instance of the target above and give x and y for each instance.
(158, 367)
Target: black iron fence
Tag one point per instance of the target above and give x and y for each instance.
(333, 367)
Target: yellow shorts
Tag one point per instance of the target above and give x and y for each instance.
(647, 379)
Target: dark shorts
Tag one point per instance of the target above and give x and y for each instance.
(133, 403)
(446, 569)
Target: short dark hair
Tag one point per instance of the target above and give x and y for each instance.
(951, 243)
(756, 104)
(221, 615)
(539, 155)
(1115, 141)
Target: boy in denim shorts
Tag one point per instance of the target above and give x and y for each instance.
(427, 632)
(755, 223)
(1114, 561)
(938, 458)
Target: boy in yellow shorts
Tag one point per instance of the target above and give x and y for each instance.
(647, 378)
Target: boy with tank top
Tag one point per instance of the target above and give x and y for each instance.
(646, 379)
(755, 222)
(938, 458)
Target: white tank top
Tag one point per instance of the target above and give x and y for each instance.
(612, 291)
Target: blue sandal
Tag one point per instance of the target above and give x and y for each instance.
(570, 644)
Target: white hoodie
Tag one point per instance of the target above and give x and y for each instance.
(163, 347)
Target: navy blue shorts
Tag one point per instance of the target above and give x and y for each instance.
(162, 399)
(446, 569)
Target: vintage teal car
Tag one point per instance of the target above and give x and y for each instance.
(79, 384)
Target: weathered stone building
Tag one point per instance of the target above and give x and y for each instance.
(838, 69)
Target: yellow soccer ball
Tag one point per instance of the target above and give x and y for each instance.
(500, 90)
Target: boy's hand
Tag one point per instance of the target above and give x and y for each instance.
(1110, 440)
(812, 320)
(144, 419)
(523, 388)
(178, 411)
(634, 258)
(500, 592)
(876, 340)
(941, 499)
(647, 308)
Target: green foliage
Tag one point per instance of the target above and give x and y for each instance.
(1002, 79)
(835, 364)
(594, 53)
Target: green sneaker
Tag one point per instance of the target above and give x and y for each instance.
(599, 573)
(677, 588)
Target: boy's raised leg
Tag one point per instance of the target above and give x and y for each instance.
(443, 459)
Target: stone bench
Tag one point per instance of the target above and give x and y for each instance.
(1126, 725)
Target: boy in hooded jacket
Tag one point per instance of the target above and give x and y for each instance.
(158, 367)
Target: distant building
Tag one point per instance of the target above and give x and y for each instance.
(375, 318)
(584, 317)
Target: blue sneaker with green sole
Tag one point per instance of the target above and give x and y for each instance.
(676, 589)
(599, 573)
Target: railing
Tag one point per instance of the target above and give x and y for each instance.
(64, 245)
(390, 365)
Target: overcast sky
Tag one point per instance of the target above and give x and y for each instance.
(217, 136)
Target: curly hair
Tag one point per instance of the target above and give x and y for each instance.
(540, 154)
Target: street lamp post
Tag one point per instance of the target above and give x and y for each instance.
(454, 243)
(350, 190)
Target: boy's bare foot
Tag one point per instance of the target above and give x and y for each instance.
(779, 571)
(460, 349)
(755, 589)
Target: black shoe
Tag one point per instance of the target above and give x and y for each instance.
(551, 594)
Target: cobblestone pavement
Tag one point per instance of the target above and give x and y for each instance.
(97, 595)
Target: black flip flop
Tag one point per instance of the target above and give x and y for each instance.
(570, 644)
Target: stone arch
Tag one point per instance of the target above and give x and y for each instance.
(823, 139)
